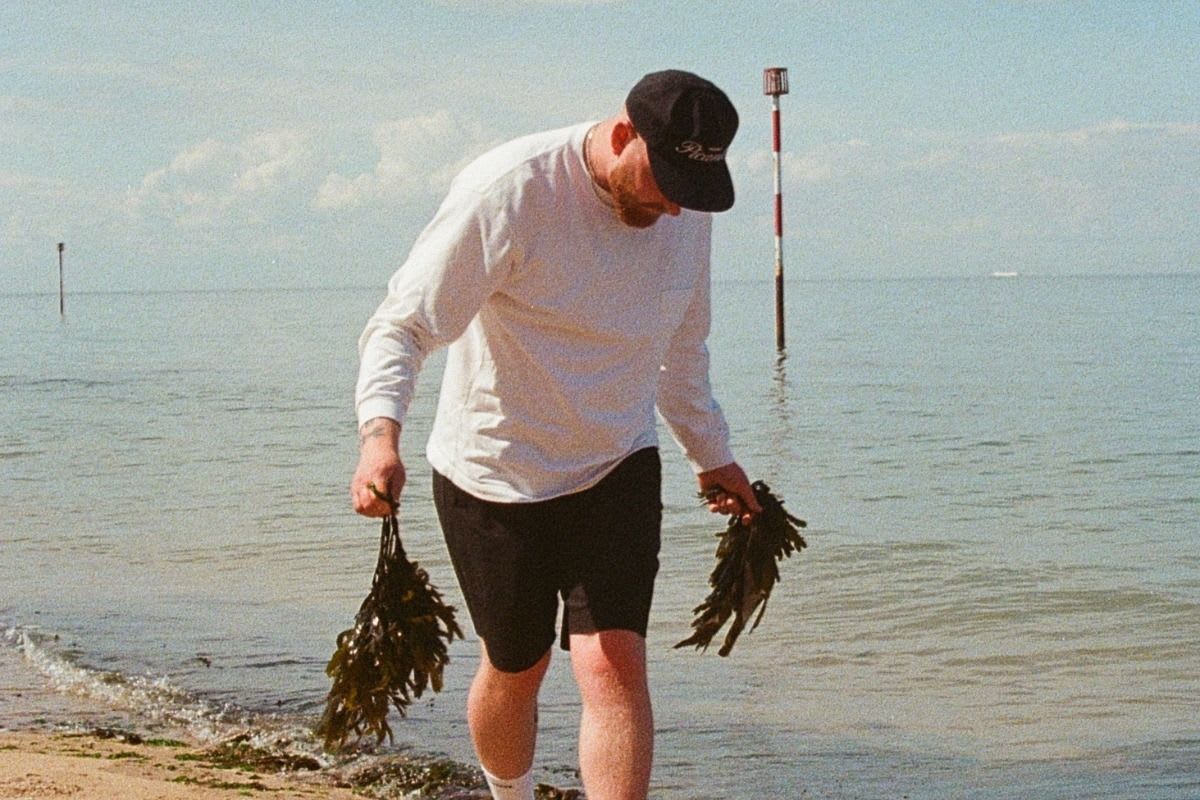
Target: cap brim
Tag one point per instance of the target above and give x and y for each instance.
(696, 185)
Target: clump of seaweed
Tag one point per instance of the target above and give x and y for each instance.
(746, 570)
(396, 649)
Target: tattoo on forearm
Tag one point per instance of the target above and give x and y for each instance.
(374, 429)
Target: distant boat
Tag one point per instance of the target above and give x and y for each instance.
(1005, 274)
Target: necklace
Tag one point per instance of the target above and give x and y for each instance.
(600, 191)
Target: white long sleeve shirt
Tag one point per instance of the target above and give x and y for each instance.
(566, 329)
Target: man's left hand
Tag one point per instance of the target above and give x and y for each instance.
(728, 491)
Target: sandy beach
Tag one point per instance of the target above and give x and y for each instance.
(111, 764)
(123, 767)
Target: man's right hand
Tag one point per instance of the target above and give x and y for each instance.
(379, 466)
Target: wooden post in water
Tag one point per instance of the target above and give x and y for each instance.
(62, 308)
(775, 83)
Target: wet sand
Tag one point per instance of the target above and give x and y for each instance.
(66, 744)
(36, 765)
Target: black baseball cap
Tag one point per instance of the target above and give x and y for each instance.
(687, 123)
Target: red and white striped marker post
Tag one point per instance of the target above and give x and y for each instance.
(775, 83)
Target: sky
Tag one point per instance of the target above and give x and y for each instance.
(225, 144)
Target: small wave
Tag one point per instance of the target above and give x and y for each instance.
(1187, 453)
(151, 697)
(235, 737)
(60, 383)
(882, 498)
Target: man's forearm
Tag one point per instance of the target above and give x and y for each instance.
(379, 468)
(379, 432)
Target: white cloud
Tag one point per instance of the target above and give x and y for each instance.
(1110, 130)
(418, 156)
(215, 182)
(1114, 196)
(810, 167)
(339, 192)
(274, 157)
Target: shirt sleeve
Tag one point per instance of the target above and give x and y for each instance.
(685, 399)
(456, 263)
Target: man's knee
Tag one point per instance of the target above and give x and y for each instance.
(525, 682)
(609, 661)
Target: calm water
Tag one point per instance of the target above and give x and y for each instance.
(1001, 597)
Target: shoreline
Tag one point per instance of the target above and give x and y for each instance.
(60, 742)
(108, 765)
(113, 764)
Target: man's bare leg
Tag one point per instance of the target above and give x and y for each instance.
(616, 734)
(502, 715)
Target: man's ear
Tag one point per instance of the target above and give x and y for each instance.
(623, 133)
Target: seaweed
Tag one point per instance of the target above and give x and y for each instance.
(747, 570)
(395, 651)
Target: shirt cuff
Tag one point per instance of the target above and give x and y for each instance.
(374, 407)
(710, 457)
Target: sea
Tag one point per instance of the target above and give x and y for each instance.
(1000, 597)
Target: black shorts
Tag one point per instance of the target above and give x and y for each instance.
(596, 549)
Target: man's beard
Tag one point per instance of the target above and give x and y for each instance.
(629, 209)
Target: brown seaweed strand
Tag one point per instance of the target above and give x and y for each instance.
(396, 649)
(746, 571)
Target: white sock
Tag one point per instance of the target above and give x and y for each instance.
(510, 788)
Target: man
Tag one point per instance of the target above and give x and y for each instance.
(568, 273)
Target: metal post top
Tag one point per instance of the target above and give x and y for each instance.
(61, 246)
(775, 81)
